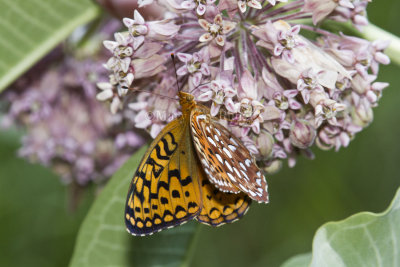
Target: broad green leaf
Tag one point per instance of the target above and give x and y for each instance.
(29, 29)
(103, 240)
(364, 239)
(299, 260)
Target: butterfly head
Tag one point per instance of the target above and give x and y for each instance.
(187, 102)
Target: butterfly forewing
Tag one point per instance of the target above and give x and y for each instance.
(227, 162)
(165, 190)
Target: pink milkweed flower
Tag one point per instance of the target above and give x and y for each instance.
(250, 3)
(195, 66)
(326, 110)
(154, 111)
(216, 30)
(200, 5)
(279, 87)
(355, 12)
(285, 100)
(308, 82)
(320, 9)
(280, 38)
(139, 29)
(220, 91)
(249, 107)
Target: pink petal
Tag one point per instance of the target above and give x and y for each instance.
(104, 95)
(382, 58)
(196, 78)
(204, 24)
(205, 37)
(128, 22)
(218, 19)
(278, 49)
(295, 29)
(214, 109)
(290, 93)
(230, 106)
(254, 4)
(242, 6)
(248, 85)
(220, 40)
(201, 9)
(205, 69)
(155, 130)
(137, 17)
(137, 41)
(184, 57)
(182, 70)
(205, 96)
(188, 5)
(294, 104)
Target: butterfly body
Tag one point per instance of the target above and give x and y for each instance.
(183, 175)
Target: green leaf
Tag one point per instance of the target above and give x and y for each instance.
(103, 240)
(364, 239)
(298, 260)
(30, 29)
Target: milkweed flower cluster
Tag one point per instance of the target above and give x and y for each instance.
(252, 64)
(65, 127)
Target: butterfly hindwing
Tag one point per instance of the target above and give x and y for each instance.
(218, 207)
(227, 162)
(164, 191)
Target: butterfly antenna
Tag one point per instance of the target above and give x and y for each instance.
(152, 93)
(176, 74)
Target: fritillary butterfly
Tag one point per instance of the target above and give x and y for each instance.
(194, 169)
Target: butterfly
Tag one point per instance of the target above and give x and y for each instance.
(194, 169)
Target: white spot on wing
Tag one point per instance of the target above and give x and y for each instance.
(201, 117)
(242, 166)
(216, 137)
(237, 172)
(228, 165)
(252, 193)
(245, 175)
(205, 162)
(219, 157)
(258, 181)
(233, 141)
(243, 188)
(231, 147)
(211, 141)
(247, 162)
(227, 152)
(218, 132)
(231, 176)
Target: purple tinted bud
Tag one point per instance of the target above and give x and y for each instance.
(302, 134)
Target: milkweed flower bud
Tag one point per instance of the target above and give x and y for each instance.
(302, 134)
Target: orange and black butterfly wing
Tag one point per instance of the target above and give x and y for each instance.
(226, 161)
(218, 207)
(164, 191)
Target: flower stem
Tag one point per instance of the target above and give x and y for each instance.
(372, 32)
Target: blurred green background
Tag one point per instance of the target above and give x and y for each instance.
(37, 229)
